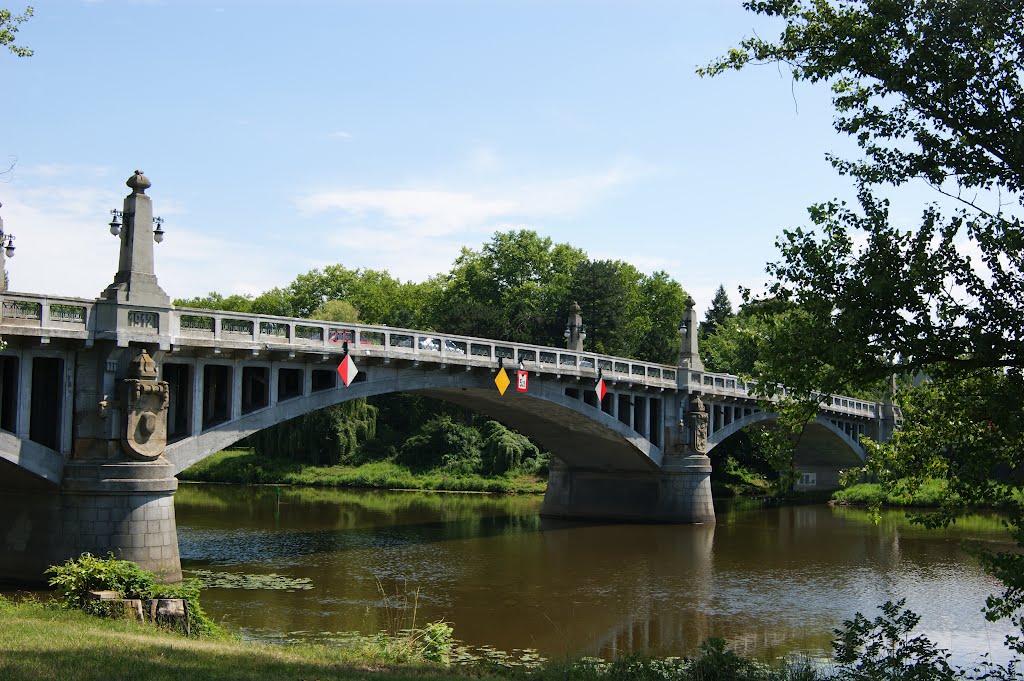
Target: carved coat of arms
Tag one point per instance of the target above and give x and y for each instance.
(145, 400)
(698, 425)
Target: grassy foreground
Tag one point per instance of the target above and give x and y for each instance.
(39, 643)
(44, 643)
(246, 467)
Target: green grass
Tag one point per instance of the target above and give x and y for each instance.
(246, 467)
(44, 643)
(930, 495)
(40, 643)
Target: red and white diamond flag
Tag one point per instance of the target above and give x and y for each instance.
(601, 390)
(347, 370)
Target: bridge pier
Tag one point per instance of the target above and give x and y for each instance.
(679, 493)
(124, 508)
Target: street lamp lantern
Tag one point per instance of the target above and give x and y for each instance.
(7, 245)
(115, 224)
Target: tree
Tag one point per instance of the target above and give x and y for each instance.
(656, 326)
(216, 301)
(932, 92)
(608, 294)
(336, 311)
(717, 314)
(515, 288)
(9, 24)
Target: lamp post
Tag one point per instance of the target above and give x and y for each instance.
(7, 246)
(135, 281)
(689, 354)
(575, 332)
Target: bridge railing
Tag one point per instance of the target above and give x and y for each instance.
(44, 315)
(727, 385)
(225, 328)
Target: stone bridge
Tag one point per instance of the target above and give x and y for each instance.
(104, 401)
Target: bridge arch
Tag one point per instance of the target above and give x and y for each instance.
(821, 431)
(43, 466)
(581, 435)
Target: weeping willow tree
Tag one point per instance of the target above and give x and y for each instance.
(328, 436)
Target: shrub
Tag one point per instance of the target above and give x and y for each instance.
(443, 444)
(77, 577)
(437, 641)
(882, 649)
(506, 451)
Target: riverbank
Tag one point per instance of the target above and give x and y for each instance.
(43, 643)
(247, 467)
(930, 494)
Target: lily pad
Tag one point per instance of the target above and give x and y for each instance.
(244, 580)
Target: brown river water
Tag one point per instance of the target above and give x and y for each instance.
(771, 581)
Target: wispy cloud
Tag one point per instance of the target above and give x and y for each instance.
(420, 211)
(340, 135)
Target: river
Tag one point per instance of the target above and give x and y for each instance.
(769, 580)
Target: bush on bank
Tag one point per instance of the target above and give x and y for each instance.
(78, 576)
(248, 467)
(928, 495)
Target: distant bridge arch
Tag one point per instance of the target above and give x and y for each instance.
(813, 431)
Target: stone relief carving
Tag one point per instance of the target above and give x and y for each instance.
(698, 425)
(145, 401)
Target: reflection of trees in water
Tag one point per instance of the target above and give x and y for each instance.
(767, 580)
(309, 507)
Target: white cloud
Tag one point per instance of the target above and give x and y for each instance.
(340, 135)
(417, 211)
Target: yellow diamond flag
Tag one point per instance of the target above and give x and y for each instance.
(501, 380)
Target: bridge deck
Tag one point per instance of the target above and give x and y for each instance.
(52, 318)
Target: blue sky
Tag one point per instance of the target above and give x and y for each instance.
(385, 134)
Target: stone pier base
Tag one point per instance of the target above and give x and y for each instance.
(679, 493)
(122, 508)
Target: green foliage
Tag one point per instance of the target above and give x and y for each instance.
(215, 301)
(515, 288)
(933, 92)
(247, 467)
(436, 642)
(445, 445)
(717, 314)
(336, 311)
(506, 451)
(716, 662)
(78, 576)
(882, 649)
(9, 24)
(334, 434)
(930, 493)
